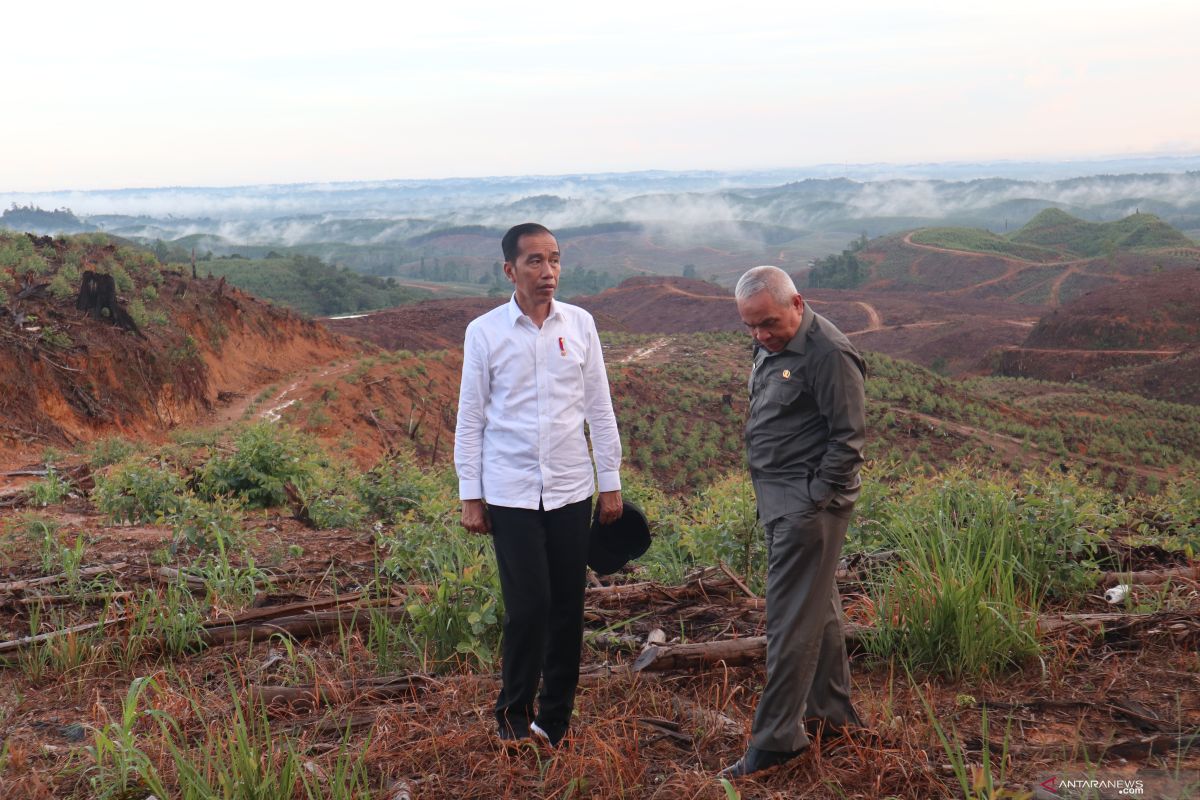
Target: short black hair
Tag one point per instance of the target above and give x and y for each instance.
(509, 244)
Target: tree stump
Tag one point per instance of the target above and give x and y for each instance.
(98, 297)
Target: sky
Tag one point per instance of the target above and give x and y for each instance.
(135, 94)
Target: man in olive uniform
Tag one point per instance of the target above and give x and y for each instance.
(804, 440)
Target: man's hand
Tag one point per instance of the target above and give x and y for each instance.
(611, 507)
(474, 517)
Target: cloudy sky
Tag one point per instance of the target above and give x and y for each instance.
(124, 93)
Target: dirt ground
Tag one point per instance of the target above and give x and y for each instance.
(1096, 704)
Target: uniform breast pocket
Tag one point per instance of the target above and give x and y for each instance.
(781, 391)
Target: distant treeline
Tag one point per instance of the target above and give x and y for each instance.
(38, 220)
(842, 271)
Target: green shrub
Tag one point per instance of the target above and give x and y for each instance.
(139, 491)
(332, 501)
(266, 458)
(458, 622)
(723, 526)
(394, 488)
(1171, 519)
(667, 560)
(60, 287)
(50, 489)
(121, 769)
(109, 450)
(209, 526)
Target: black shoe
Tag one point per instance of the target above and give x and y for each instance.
(513, 734)
(757, 760)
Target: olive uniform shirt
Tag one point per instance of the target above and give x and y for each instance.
(807, 422)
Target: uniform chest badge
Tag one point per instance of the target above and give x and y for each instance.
(787, 373)
(562, 346)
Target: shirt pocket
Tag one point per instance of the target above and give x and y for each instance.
(782, 391)
(565, 366)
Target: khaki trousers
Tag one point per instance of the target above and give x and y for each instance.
(808, 673)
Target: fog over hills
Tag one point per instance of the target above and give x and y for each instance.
(661, 221)
(869, 190)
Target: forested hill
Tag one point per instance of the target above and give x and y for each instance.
(309, 285)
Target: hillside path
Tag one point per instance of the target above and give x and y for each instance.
(676, 290)
(1083, 352)
(646, 352)
(279, 400)
(1015, 265)
(1011, 259)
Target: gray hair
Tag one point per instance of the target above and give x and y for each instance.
(766, 279)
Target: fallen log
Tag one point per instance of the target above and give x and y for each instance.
(666, 729)
(1182, 627)
(737, 581)
(340, 725)
(300, 626)
(1109, 628)
(272, 612)
(385, 688)
(89, 572)
(709, 584)
(1150, 577)
(56, 599)
(17, 645)
(13, 498)
(173, 575)
(731, 652)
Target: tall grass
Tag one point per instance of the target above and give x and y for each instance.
(977, 559)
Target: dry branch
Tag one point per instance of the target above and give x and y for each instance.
(56, 599)
(385, 688)
(299, 626)
(273, 612)
(172, 575)
(17, 645)
(737, 581)
(89, 572)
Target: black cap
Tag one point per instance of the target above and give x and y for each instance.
(611, 546)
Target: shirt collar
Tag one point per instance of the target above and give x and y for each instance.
(796, 345)
(515, 312)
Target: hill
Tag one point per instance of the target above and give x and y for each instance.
(1072, 236)
(38, 220)
(952, 335)
(159, 351)
(1049, 262)
(309, 285)
(681, 401)
(427, 325)
(1144, 336)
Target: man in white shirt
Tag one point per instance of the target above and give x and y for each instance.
(533, 373)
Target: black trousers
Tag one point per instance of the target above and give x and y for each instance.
(542, 556)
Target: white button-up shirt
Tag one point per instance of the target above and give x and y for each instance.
(525, 394)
